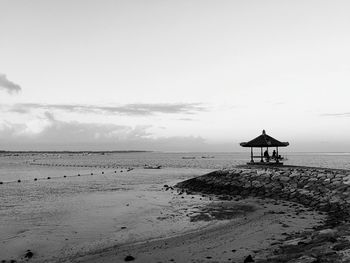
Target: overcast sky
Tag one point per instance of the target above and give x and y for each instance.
(175, 75)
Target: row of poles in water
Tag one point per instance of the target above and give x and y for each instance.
(65, 176)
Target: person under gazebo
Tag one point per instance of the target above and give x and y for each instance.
(265, 141)
(274, 155)
(267, 156)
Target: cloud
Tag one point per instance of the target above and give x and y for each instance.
(86, 133)
(186, 119)
(8, 85)
(137, 109)
(74, 135)
(341, 114)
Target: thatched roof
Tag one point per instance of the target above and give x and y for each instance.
(264, 140)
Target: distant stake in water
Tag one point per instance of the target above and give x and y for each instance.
(18, 181)
(64, 176)
(35, 179)
(103, 172)
(48, 178)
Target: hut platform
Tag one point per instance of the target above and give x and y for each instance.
(265, 164)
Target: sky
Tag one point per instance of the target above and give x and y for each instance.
(184, 75)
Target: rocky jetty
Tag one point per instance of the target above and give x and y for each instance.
(325, 190)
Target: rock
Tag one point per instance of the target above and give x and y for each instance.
(256, 183)
(327, 232)
(284, 178)
(304, 259)
(340, 176)
(328, 180)
(293, 242)
(336, 183)
(345, 255)
(129, 258)
(321, 176)
(29, 254)
(275, 177)
(248, 259)
(342, 245)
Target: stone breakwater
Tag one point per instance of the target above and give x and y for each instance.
(325, 190)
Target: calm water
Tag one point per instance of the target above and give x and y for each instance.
(63, 216)
(30, 166)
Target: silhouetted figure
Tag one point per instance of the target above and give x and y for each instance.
(274, 154)
(267, 156)
(249, 259)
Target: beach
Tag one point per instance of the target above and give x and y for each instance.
(251, 230)
(174, 131)
(59, 220)
(106, 210)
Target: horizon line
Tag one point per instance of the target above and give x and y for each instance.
(146, 151)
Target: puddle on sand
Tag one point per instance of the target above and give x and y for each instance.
(221, 211)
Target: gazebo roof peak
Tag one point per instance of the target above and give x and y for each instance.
(264, 140)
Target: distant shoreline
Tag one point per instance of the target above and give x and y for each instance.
(152, 151)
(72, 152)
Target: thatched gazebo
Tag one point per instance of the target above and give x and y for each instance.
(264, 141)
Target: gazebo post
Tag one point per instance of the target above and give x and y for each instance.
(262, 160)
(251, 155)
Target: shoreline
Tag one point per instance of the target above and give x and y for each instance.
(229, 241)
(322, 238)
(291, 214)
(76, 215)
(321, 189)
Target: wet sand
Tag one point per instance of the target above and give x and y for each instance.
(115, 217)
(244, 227)
(62, 218)
(151, 223)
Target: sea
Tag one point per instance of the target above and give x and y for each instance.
(62, 206)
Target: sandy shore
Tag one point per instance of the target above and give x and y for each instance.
(268, 228)
(62, 218)
(245, 227)
(290, 214)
